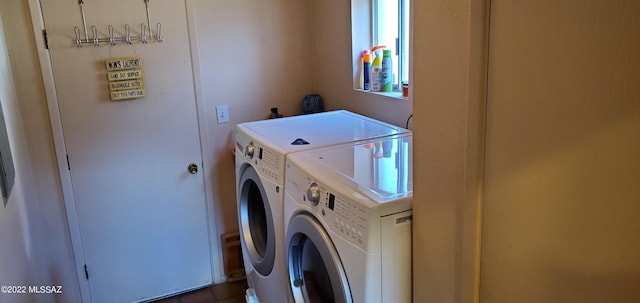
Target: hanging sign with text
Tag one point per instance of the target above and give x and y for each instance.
(126, 79)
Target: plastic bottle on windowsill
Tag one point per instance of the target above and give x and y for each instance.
(387, 71)
(361, 71)
(366, 69)
(376, 69)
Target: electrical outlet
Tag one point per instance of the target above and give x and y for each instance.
(223, 113)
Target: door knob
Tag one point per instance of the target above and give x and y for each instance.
(192, 168)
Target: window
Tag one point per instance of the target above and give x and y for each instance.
(381, 22)
(391, 28)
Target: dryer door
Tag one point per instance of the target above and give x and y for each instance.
(256, 222)
(315, 271)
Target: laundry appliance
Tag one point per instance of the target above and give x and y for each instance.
(261, 150)
(348, 220)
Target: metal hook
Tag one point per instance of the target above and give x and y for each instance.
(127, 32)
(78, 39)
(143, 33)
(96, 41)
(159, 32)
(146, 32)
(112, 40)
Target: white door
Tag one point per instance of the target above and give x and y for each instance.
(141, 213)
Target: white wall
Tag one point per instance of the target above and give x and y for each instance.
(253, 56)
(15, 228)
(561, 216)
(34, 247)
(448, 102)
(558, 193)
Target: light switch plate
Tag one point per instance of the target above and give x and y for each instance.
(222, 112)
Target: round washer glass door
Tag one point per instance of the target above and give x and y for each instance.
(256, 222)
(315, 271)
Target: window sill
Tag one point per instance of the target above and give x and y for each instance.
(394, 95)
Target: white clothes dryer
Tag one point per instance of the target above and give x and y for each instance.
(348, 222)
(261, 149)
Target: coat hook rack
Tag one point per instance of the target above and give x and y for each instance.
(144, 37)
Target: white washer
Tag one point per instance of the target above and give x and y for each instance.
(261, 149)
(348, 222)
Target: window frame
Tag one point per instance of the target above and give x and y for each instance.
(363, 14)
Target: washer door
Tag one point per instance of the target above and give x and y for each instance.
(256, 222)
(315, 270)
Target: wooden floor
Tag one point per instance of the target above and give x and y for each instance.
(220, 293)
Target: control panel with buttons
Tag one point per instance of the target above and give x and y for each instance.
(346, 217)
(350, 219)
(267, 162)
